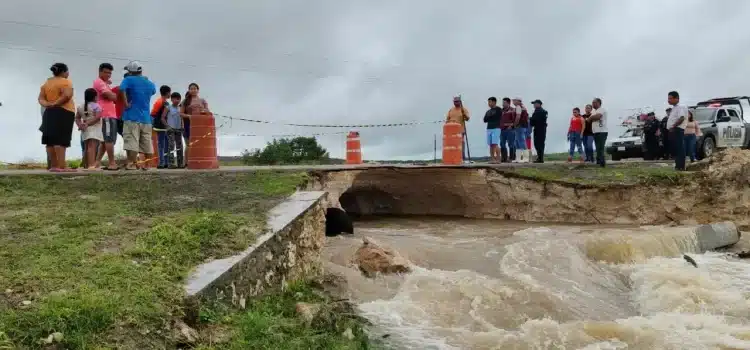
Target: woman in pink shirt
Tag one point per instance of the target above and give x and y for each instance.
(692, 132)
(575, 134)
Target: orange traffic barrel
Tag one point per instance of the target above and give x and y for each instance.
(202, 146)
(353, 148)
(154, 160)
(453, 143)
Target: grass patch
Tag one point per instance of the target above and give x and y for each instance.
(272, 323)
(623, 174)
(102, 258)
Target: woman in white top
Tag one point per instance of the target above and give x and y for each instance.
(692, 132)
(88, 119)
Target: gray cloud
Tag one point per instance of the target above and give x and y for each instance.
(360, 62)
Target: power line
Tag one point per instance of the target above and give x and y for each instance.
(286, 135)
(108, 56)
(230, 118)
(81, 30)
(57, 50)
(150, 38)
(382, 125)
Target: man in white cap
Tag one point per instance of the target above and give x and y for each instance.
(521, 129)
(136, 91)
(459, 114)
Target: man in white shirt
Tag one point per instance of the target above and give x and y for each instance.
(676, 124)
(598, 120)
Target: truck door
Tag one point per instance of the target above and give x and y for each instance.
(723, 124)
(737, 131)
(745, 108)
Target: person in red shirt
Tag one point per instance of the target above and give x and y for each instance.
(507, 132)
(575, 135)
(119, 106)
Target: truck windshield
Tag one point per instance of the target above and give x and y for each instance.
(704, 114)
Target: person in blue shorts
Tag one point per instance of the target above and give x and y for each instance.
(492, 118)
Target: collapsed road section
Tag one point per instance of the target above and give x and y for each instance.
(717, 190)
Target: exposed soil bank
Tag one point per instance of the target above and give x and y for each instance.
(719, 191)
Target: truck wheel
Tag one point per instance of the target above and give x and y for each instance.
(707, 148)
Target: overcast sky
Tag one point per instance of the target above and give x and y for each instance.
(351, 62)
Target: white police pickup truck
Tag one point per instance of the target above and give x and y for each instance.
(628, 145)
(723, 124)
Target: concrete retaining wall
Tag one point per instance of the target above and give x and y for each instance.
(289, 250)
(494, 193)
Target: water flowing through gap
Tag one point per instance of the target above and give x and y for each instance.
(487, 284)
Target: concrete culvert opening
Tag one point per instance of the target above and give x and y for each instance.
(358, 202)
(361, 202)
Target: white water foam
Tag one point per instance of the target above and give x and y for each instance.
(548, 294)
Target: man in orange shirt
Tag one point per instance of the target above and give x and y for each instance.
(459, 114)
(162, 142)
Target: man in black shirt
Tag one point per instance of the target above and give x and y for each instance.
(650, 130)
(588, 134)
(538, 124)
(666, 148)
(492, 118)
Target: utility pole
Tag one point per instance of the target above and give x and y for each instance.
(434, 148)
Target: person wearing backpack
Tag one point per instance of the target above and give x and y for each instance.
(159, 127)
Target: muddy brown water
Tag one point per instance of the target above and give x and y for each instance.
(487, 284)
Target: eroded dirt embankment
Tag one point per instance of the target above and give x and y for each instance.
(719, 190)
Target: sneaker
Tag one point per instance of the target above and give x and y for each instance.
(570, 159)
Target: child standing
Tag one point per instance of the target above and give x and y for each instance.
(172, 119)
(88, 119)
(575, 134)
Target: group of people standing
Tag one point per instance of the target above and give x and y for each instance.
(657, 142)
(111, 110)
(678, 132)
(510, 130)
(587, 133)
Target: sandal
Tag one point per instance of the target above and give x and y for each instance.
(55, 170)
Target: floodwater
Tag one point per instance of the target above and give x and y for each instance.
(482, 284)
